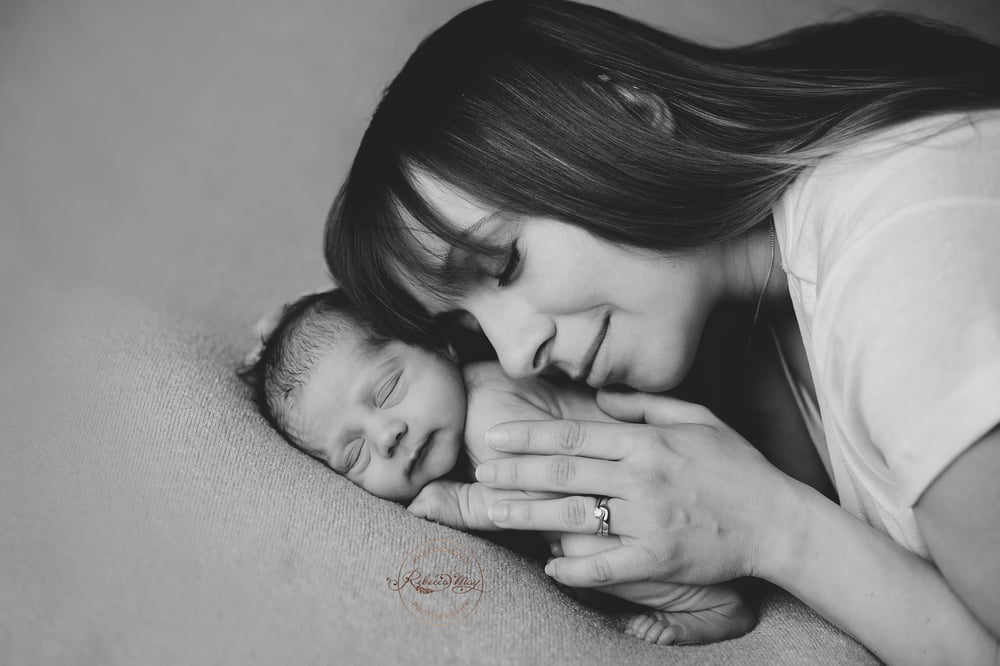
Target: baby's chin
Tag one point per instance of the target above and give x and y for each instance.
(404, 493)
(437, 464)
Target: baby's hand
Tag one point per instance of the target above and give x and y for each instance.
(445, 502)
(464, 506)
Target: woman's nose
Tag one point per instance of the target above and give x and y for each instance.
(386, 434)
(521, 337)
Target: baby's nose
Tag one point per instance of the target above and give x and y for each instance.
(389, 435)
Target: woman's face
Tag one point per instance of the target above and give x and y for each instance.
(559, 297)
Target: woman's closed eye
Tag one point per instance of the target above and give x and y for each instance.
(511, 267)
(389, 391)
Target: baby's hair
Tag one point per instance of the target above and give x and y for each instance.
(307, 328)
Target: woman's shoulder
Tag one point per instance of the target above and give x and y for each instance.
(937, 125)
(947, 157)
(939, 144)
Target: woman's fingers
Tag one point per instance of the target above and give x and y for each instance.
(594, 439)
(566, 475)
(568, 514)
(652, 408)
(591, 439)
(609, 567)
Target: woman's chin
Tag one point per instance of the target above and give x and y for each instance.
(657, 383)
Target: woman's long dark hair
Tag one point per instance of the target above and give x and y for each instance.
(519, 104)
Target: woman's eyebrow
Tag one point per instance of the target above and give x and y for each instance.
(451, 261)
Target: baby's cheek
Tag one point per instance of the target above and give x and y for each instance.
(388, 484)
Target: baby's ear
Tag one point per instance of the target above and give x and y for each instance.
(451, 354)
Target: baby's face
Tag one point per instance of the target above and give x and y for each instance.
(391, 419)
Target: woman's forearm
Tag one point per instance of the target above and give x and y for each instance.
(894, 602)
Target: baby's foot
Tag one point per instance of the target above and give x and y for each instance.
(654, 627)
(679, 613)
(692, 614)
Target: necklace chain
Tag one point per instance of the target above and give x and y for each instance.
(763, 290)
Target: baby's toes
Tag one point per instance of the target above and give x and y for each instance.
(638, 624)
(651, 628)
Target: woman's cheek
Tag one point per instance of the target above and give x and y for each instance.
(662, 372)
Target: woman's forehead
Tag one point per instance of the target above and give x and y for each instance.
(485, 228)
(416, 272)
(450, 256)
(434, 301)
(459, 208)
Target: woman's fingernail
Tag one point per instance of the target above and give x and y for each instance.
(497, 439)
(498, 512)
(486, 473)
(550, 569)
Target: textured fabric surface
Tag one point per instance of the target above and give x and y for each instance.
(150, 517)
(165, 169)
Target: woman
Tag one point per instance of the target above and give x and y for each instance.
(593, 193)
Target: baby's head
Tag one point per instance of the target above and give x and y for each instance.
(387, 415)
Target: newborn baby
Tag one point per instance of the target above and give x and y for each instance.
(407, 423)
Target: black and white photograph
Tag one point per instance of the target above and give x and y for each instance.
(458, 332)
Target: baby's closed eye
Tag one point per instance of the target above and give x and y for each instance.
(390, 391)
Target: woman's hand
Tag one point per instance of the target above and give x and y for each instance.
(691, 500)
(675, 612)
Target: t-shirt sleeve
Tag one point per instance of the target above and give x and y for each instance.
(911, 314)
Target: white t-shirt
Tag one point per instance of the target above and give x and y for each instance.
(892, 253)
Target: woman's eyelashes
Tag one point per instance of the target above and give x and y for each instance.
(511, 267)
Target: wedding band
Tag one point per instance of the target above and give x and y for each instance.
(603, 514)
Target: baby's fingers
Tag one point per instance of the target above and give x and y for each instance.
(618, 565)
(441, 501)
